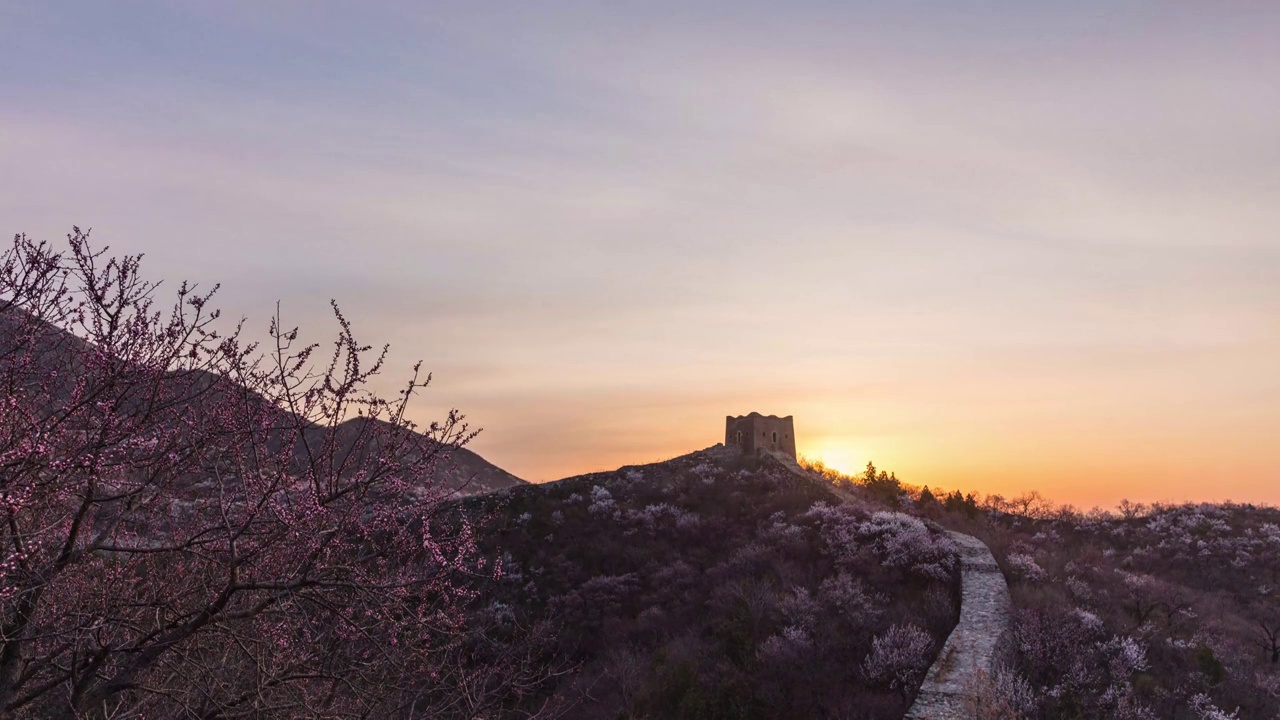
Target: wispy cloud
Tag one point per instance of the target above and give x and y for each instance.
(957, 235)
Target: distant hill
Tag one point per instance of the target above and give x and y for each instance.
(462, 470)
(57, 350)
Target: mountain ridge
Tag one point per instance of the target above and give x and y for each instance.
(56, 350)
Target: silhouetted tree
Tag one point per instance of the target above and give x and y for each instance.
(926, 497)
(882, 484)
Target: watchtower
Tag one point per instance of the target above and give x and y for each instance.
(755, 433)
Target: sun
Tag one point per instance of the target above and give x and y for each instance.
(842, 458)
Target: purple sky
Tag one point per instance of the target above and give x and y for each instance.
(1000, 245)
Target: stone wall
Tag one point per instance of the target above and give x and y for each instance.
(973, 646)
(755, 433)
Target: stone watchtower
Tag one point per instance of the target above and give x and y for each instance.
(755, 433)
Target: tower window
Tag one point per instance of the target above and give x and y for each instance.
(775, 437)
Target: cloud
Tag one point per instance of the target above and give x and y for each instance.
(914, 222)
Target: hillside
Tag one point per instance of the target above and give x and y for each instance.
(55, 352)
(719, 586)
(469, 474)
(460, 470)
(1152, 612)
(1164, 611)
(197, 524)
(193, 531)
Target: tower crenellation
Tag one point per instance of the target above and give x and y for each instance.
(756, 433)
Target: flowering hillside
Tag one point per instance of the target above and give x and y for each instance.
(1170, 612)
(1162, 611)
(717, 586)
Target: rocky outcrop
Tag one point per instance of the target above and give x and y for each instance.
(971, 651)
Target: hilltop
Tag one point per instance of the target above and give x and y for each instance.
(723, 585)
(718, 585)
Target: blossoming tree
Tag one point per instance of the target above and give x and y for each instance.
(197, 526)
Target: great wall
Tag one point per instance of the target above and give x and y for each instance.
(971, 653)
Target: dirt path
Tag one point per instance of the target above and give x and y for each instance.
(971, 648)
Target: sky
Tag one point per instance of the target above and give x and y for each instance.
(997, 245)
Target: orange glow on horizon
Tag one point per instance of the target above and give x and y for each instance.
(842, 458)
(930, 259)
(1083, 469)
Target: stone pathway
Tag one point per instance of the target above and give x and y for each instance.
(971, 648)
